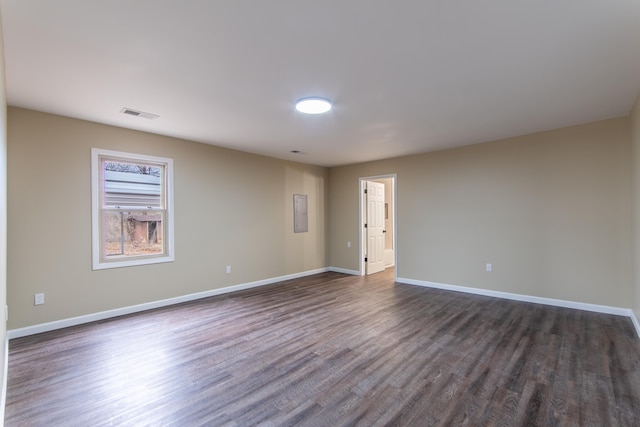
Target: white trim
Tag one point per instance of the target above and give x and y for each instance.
(361, 236)
(634, 319)
(345, 271)
(73, 321)
(524, 298)
(97, 262)
(5, 369)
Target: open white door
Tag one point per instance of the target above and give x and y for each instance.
(374, 226)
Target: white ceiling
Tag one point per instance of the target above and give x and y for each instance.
(406, 76)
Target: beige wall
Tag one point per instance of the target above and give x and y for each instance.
(551, 212)
(635, 141)
(3, 222)
(231, 208)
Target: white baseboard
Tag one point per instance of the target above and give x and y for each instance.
(634, 319)
(73, 321)
(345, 271)
(59, 324)
(528, 298)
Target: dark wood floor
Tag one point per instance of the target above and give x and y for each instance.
(332, 350)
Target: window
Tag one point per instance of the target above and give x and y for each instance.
(132, 209)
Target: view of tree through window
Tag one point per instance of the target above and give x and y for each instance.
(131, 168)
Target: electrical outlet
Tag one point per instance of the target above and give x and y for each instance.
(489, 268)
(348, 244)
(38, 299)
(228, 270)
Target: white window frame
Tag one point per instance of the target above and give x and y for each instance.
(98, 260)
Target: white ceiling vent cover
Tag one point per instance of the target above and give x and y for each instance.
(137, 113)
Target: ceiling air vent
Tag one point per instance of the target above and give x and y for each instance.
(137, 113)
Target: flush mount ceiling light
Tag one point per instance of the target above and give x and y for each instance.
(313, 105)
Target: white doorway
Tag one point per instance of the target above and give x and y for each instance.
(377, 223)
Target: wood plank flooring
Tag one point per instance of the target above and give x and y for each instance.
(332, 350)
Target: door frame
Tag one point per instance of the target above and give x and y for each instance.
(361, 213)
